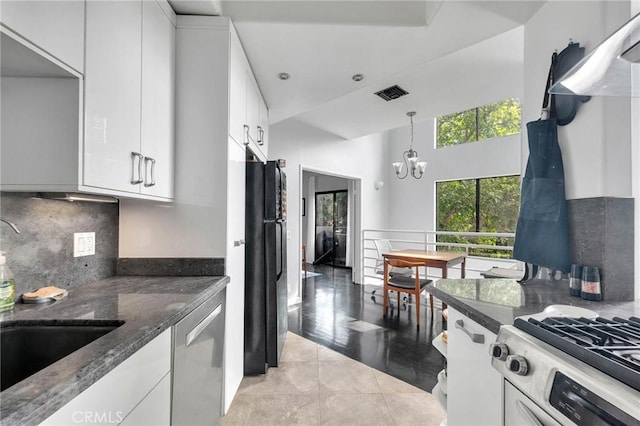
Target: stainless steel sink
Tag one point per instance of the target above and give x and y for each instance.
(27, 347)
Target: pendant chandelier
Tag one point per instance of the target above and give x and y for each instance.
(410, 160)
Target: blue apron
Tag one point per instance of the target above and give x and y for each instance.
(542, 232)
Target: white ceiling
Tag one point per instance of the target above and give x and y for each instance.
(322, 43)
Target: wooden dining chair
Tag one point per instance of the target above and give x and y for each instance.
(405, 284)
(384, 246)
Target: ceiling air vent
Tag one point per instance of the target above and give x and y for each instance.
(391, 93)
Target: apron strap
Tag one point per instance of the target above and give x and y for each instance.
(548, 102)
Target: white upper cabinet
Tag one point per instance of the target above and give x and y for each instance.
(263, 126)
(247, 124)
(112, 95)
(57, 27)
(129, 92)
(109, 131)
(237, 91)
(253, 109)
(158, 99)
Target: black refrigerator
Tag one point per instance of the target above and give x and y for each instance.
(265, 306)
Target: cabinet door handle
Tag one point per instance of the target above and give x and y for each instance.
(246, 135)
(475, 337)
(260, 135)
(198, 329)
(148, 160)
(140, 158)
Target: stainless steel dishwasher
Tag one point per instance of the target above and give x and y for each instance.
(198, 378)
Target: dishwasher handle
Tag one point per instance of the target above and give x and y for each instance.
(475, 337)
(198, 329)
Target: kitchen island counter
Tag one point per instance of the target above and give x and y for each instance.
(148, 305)
(495, 302)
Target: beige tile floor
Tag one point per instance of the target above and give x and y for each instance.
(317, 386)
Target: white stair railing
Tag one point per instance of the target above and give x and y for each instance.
(427, 240)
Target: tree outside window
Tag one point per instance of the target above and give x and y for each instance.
(489, 121)
(478, 205)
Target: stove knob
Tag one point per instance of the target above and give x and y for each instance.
(499, 351)
(518, 364)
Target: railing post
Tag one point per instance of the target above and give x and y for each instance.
(362, 249)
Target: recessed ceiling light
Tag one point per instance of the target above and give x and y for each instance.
(357, 77)
(284, 76)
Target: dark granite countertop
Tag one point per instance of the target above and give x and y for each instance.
(494, 302)
(147, 305)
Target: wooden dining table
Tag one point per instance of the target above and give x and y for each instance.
(432, 259)
(442, 260)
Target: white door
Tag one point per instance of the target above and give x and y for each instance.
(263, 122)
(474, 387)
(237, 90)
(158, 88)
(112, 94)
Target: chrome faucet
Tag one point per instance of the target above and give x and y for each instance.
(12, 225)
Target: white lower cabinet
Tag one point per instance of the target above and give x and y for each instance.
(132, 390)
(155, 408)
(474, 388)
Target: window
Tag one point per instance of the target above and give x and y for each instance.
(485, 122)
(478, 205)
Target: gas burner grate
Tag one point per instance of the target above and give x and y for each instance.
(612, 346)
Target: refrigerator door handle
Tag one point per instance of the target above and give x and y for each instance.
(281, 266)
(281, 195)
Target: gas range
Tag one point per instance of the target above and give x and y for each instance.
(570, 370)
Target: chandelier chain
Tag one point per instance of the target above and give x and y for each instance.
(412, 165)
(411, 144)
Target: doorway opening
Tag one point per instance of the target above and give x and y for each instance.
(331, 222)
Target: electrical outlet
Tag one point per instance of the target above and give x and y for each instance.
(84, 244)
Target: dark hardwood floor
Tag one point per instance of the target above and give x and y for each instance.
(346, 318)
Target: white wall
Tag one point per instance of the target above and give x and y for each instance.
(307, 147)
(596, 145)
(468, 87)
(413, 200)
(326, 182)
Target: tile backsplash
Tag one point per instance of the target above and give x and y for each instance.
(42, 254)
(601, 234)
